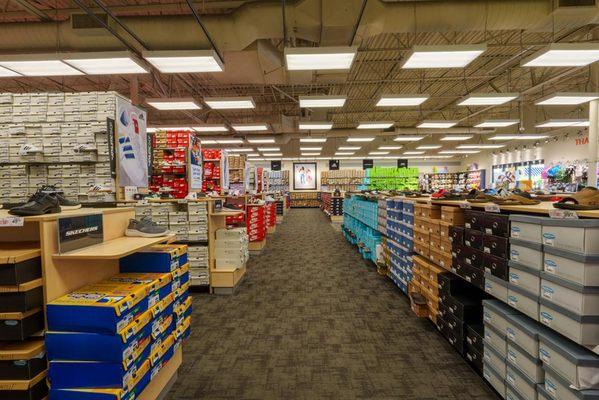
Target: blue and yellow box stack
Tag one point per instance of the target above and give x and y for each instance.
(108, 340)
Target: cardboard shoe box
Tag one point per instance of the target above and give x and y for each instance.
(22, 361)
(17, 268)
(33, 389)
(23, 297)
(21, 325)
(159, 258)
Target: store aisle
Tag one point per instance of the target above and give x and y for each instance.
(313, 321)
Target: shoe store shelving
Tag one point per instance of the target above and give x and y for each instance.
(237, 171)
(345, 180)
(30, 248)
(215, 166)
(171, 153)
(332, 205)
(278, 181)
(305, 199)
(464, 180)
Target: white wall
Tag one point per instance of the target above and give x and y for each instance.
(323, 165)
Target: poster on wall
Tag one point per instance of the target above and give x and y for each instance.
(304, 176)
(195, 163)
(224, 170)
(131, 144)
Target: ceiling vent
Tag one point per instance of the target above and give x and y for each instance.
(84, 21)
(576, 3)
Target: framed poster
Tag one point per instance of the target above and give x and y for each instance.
(195, 163)
(131, 145)
(304, 176)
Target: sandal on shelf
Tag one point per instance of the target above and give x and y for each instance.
(585, 199)
(438, 195)
(482, 197)
(517, 200)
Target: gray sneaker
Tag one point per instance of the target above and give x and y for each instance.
(145, 227)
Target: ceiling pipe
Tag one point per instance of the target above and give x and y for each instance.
(206, 33)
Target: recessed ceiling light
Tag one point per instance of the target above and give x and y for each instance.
(239, 150)
(310, 148)
(229, 141)
(375, 125)
(488, 99)
(105, 63)
(413, 152)
(437, 124)
(266, 149)
(564, 55)
(429, 147)
(7, 73)
(344, 153)
(459, 151)
(518, 136)
(390, 147)
(449, 56)
(321, 101)
(174, 104)
(402, 100)
(230, 103)
(38, 65)
(456, 138)
(210, 128)
(349, 148)
(208, 141)
(360, 139)
(313, 140)
(184, 61)
(170, 128)
(480, 146)
(408, 138)
(567, 99)
(319, 58)
(273, 155)
(261, 140)
(378, 153)
(315, 125)
(497, 123)
(253, 155)
(561, 123)
(250, 127)
(311, 154)
(151, 129)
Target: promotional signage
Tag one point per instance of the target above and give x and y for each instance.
(111, 151)
(79, 232)
(195, 163)
(275, 165)
(402, 163)
(131, 144)
(333, 165)
(367, 164)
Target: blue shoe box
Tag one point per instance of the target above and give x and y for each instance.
(180, 276)
(160, 284)
(158, 258)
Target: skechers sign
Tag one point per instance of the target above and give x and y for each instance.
(78, 232)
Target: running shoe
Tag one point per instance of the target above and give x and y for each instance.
(145, 227)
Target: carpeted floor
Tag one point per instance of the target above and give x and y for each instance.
(313, 321)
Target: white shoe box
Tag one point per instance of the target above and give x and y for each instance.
(38, 98)
(14, 130)
(55, 99)
(35, 182)
(69, 129)
(6, 98)
(21, 99)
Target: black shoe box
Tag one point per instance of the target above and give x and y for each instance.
(450, 284)
(474, 337)
(456, 235)
(473, 257)
(473, 275)
(496, 245)
(496, 266)
(35, 389)
(465, 308)
(497, 224)
(473, 357)
(457, 251)
(21, 298)
(19, 326)
(455, 333)
(14, 271)
(22, 361)
(473, 238)
(474, 219)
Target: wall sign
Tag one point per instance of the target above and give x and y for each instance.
(402, 163)
(275, 165)
(367, 164)
(333, 165)
(110, 131)
(79, 232)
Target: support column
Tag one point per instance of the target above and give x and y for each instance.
(593, 137)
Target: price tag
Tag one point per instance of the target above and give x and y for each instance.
(465, 206)
(492, 207)
(143, 202)
(182, 201)
(563, 214)
(11, 221)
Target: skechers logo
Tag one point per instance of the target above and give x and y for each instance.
(81, 231)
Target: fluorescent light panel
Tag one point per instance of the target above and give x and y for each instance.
(520, 136)
(567, 99)
(459, 152)
(310, 148)
(261, 140)
(344, 153)
(313, 140)
(273, 155)
(564, 55)
(497, 123)
(480, 146)
(360, 139)
(408, 138)
(266, 149)
(229, 141)
(378, 153)
(488, 99)
(413, 152)
(207, 141)
(230, 103)
(402, 100)
(390, 147)
(429, 147)
(450, 56)
(174, 104)
(375, 125)
(315, 125)
(437, 124)
(456, 138)
(38, 65)
(250, 127)
(562, 123)
(349, 148)
(105, 63)
(311, 154)
(321, 101)
(210, 128)
(184, 61)
(240, 150)
(319, 58)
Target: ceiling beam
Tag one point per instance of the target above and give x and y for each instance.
(31, 9)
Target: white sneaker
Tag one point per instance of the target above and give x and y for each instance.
(269, 198)
(29, 149)
(84, 148)
(99, 188)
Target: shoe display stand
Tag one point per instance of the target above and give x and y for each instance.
(256, 226)
(332, 206)
(171, 163)
(66, 272)
(278, 181)
(237, 172)
(305, 199)
(464, 180)
(215, 165)
(390, 178)
(222, 280)
(345, 180)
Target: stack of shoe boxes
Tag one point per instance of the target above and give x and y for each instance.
(426, 282)
(382, 215)
(171, 150)
(256, 222)
(360, 225)
(58, 128)
(400, 240)
(270, 214)
(331, 204)
(23, 361)
(231, 248)
(113, 337)
(236, 172)
(278, 181)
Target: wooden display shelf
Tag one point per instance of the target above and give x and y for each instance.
(226, 280)
(113, 249)
(11, 253)
(257, 246)
(226, 213)
(69, 213)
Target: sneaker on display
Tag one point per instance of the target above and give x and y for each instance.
(231, 207)
(269, 198)
(65, 204)
(145, 227)
(99, 188)
(85, 148)
(39, 203)
(191, 196)
(29, 149)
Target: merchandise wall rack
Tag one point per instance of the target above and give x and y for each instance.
(62, 275)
